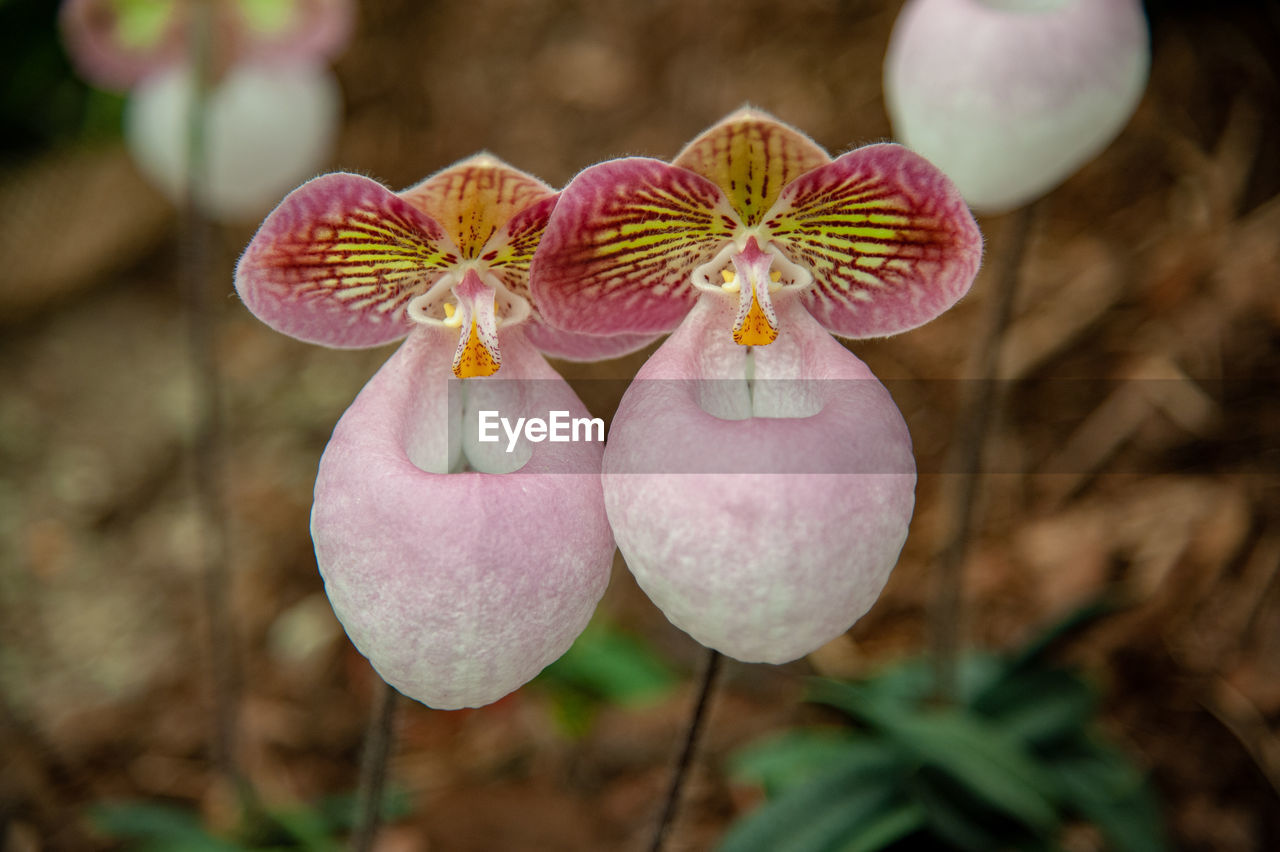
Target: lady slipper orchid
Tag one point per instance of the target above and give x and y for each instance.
(458, 586)
(1010, 97)
(118, 43)
(271, 107)
(758, 478)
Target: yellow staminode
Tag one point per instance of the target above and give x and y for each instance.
(730, 284)
(451, 316)
(755, 329)
(476, 359)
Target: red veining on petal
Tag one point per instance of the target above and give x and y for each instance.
(510, 251)
(751, 156)
(889, 240)
(621, 243)
(337, 261)
(475, 198)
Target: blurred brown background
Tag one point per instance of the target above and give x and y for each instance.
(1159, 260)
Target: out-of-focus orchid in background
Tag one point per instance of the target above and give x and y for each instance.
(1010, 97)
(271, 105)
(758, 478)
(458, 586)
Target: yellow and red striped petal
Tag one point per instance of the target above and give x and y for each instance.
(475, 199)
(621, 244)
(751, 156)
(509, 258)
(338, 260)
(890, 242)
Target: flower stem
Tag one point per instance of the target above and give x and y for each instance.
(692, 735)
(207, 441)
(973, 424)
(373, 769)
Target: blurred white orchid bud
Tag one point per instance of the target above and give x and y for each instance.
(267, 129)
(1010, 97)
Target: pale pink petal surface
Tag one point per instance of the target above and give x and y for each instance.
(1009, 98)
(458, 587)
(339, 259)
(888, 239)
(768, 564)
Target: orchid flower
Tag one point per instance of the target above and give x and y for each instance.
(458, 586)
(758, 478)
(1010, 97)
(271, 109)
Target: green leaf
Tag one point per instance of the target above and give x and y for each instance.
(796, 756)
(913, 681)
(886, 828)
(1102, 786)
(1075, 621)
(611, 665)
(307, 828)
(1039, 705)
(980, 756)
(339, 811)
(823, 812)
(954, 816)
(158, 827)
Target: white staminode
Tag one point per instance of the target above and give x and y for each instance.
(1010, 97)
(267, 129)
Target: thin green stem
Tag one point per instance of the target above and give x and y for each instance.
(207, 442)
(692, 735)
(373, 769)
(973, 424)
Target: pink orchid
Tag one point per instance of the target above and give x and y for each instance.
(758, 478)
(118, 43)
(270, 105)
(458, 587)
(1010, 97)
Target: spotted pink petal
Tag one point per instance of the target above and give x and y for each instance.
(889, 240)
(115, 44)
(621, 243)
(458, 587)
(751, 156)
(336, 262)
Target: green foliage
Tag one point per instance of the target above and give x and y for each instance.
(1007, 766)
(153, 827)
(42, 102)
(604, 666)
